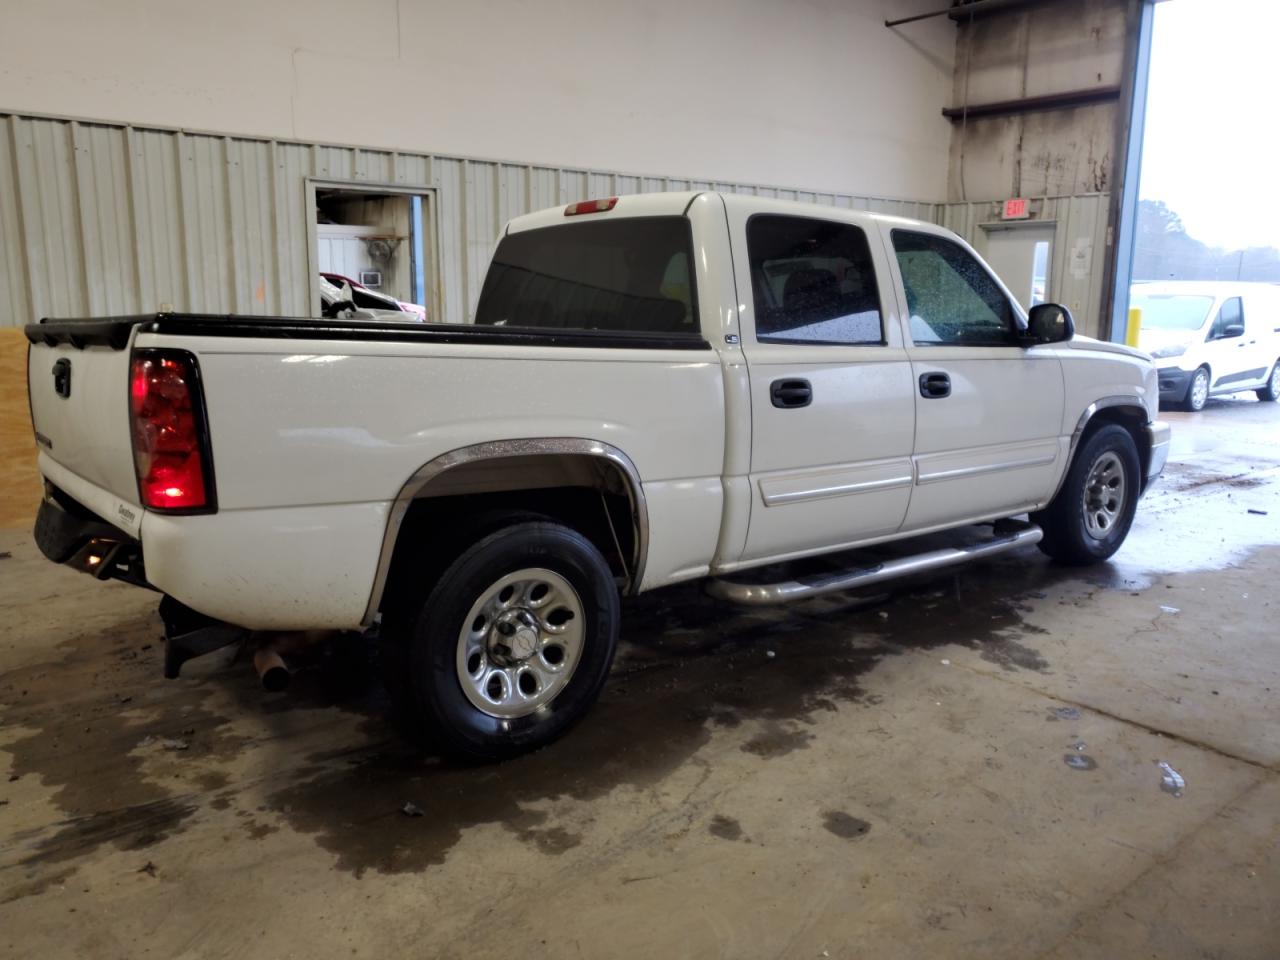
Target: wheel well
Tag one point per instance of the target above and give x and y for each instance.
(1133, 419)
(589, 494)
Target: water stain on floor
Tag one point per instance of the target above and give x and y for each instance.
(726, 828)
(690, 668)
(844, 825)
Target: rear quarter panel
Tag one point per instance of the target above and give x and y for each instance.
(313, 441)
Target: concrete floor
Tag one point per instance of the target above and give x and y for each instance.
(968, 768)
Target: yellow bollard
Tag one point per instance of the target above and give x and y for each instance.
(1135, 324)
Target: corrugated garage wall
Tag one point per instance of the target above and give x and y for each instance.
(1080, 246)
(107, 219)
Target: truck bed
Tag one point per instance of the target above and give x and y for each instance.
(115, 332)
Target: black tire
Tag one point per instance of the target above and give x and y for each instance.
(425, 643)
(1271, 392)
(1193, 402)
(1067, 536)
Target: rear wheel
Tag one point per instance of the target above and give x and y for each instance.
(1271, 391)
(1091, 515)
(1198, 391)
(512, 645)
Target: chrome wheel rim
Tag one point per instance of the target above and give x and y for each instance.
(1275, 380)
(1199, 389)
(1104, 492)
(520, 643)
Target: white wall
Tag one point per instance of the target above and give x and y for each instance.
(805, 93)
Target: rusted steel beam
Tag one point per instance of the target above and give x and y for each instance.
(1050, 101)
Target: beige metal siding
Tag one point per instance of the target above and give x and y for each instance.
(99, 218)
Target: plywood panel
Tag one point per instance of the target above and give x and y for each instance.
(19, 480)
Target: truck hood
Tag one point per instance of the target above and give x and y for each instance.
(1079, 342)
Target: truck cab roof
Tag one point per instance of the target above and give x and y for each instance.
(678, 203)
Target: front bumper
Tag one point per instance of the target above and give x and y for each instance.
(1158, 435)
(1174, 383)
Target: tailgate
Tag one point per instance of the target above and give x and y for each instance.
(78, 382)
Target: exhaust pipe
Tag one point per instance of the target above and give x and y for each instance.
(272, 670)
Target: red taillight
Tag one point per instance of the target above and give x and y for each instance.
(168, 439)
(590, 206)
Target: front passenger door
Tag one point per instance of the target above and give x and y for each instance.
(988, 410)
(1232, 356)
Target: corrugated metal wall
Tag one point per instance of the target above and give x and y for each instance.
(100, 218)
(1079, 251)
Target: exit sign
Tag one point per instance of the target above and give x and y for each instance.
(1015, 209)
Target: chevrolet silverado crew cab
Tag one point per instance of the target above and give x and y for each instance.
(655, 389)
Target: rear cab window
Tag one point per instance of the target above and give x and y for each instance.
(619, 275)
(813, 281)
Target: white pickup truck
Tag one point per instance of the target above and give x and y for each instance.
(655, 389)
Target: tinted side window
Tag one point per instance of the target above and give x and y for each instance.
(951, 298)
(621, 274)
(813, 281)
(1232, 312)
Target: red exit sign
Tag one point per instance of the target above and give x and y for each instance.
(1015, 209)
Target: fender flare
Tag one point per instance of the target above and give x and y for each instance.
(1121, 400)
(501, 449)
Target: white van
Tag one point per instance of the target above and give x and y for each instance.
(1210, 338)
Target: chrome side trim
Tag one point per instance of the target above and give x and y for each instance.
(497, 449)
(1089, 411)
(834, 490)
(986, 468)
(764, 594)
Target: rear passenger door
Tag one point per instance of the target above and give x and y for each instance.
(988, 410)
(832, 408)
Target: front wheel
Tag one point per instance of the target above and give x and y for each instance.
(1091, 515)
(513, 643)
(1271, 392)
(1198, 391)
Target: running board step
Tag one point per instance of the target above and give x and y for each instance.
(1010, 535)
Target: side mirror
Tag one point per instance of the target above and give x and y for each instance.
(1233, 330)
(1049, 323)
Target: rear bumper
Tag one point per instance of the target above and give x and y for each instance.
(1173, 383)
(1158, 436)
(67, 533)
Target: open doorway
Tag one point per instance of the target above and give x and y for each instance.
(1021, 256)
(373, 253)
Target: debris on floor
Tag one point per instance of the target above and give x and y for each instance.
(1079, 761)
(411, 809)
(1256, 513)
(1064, 713)
(1164, 609)
(1171, 781)
(168, 743)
